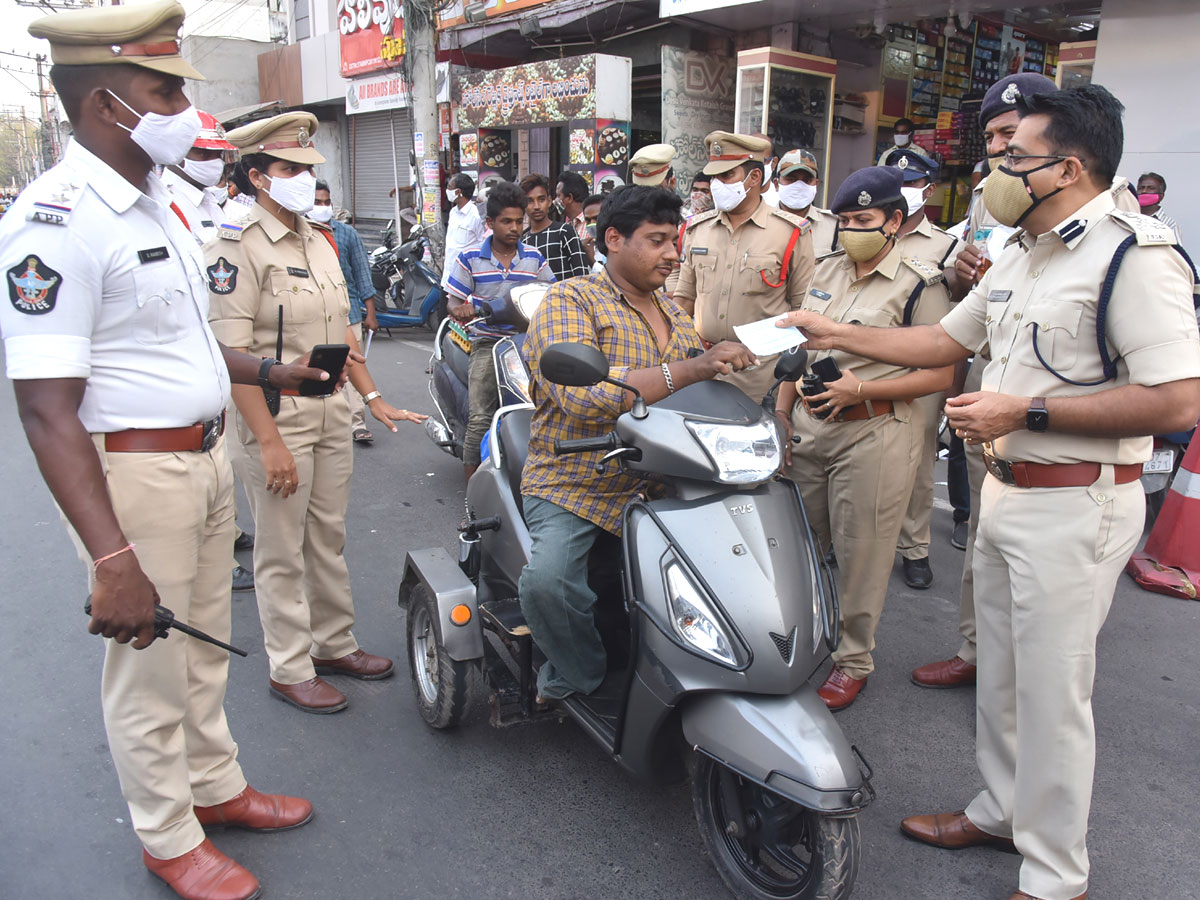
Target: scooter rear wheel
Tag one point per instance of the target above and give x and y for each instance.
(440, 684)
(784, 851)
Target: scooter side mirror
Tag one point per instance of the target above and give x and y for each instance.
(573, 365)
(790, 365)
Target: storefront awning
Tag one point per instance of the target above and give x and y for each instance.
(502, 36)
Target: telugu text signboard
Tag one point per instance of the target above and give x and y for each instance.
(553, 91)
(372, 35)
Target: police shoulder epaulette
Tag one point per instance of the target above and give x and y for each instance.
(702, 217)
(321, 226)
(1149, 230)
(792, 219)
(833, 254)
(54, 199)
(928, 273)
(230, 231)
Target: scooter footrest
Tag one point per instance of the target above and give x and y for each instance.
(505, 616)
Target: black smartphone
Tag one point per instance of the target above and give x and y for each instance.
(331, 358)
(827, 369)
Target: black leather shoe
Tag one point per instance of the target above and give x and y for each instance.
(244, 541)
(958, 538)
(917, 573)
(243, 579)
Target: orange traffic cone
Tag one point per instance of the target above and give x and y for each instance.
(1170, 563)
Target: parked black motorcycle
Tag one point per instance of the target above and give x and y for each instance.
(410, 292)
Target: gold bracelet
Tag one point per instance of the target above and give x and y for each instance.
(859, 392)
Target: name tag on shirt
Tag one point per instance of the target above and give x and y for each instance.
(154, 254)
(299, 273)
(999, 296)
(206, 223)
(699, 251)
(820, 295)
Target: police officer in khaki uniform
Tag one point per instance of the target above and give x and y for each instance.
(744, 260)
(1064, 420)
(920, 239)
(797, 179)
(120, 385)
(999, 117)
(651, 166)
(855, 463)
(276, 269)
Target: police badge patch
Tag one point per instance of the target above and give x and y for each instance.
(33, 286)
(222, 276)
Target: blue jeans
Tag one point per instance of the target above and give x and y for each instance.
(557, 601)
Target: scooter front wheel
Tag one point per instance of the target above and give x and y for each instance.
(764, 846)
(440, 684)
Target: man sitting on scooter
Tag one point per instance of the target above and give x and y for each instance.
(484, 273)
(622, 311)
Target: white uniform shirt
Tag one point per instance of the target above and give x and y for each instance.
(203, 213)
(464, 230)
(105, 283)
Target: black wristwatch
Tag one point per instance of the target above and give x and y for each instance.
(1037, 417)
(264, 374)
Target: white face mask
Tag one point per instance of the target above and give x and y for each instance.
(218, 195)
(322, 214)
(297, 193)
(206, 172)
(915, 197)
(902, 140)
(797, 195)
(727, 196)
(452, 194)
(768, 171)
(165, 139)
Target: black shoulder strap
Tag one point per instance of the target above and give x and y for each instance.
(911, 306)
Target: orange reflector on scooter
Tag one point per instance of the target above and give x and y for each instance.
(461, 614)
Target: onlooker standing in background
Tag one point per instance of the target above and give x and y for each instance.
(356, 267)
(557, 242)
(591, 215)
(1151, 189)
(701, 196)
(901, 138)
(464, 228)
(570, 192)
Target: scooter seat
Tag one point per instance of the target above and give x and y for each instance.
(513, 435)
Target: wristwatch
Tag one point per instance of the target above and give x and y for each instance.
(371, 396)
(264, 373)
(1037, 418)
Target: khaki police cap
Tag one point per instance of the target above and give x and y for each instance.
(649, 166)
(287, 136)
(138, 34)
(799, 159)
(728, 151)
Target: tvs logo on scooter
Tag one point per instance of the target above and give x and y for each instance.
(742, 509)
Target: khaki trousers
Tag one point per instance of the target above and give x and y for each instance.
(976, 473)
(300, 575)
(164, 706)
(914, 530)
(1046, 564)
(855, 478)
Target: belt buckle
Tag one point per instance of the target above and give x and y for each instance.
(212, 432)
(1000, 468)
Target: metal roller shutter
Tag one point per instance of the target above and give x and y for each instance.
(373, 173)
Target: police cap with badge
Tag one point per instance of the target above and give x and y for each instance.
(650, 165)
(287, 136)
(1002, 96)
(871, 188)
(912, 165)
(728, 151)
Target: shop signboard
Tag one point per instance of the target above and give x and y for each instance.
(388, 90)
(554, 91)
(698, 98)
(453, 14)
(372, 35)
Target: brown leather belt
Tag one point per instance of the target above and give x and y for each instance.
(200, 437)
(1055, 475)
(868, 409)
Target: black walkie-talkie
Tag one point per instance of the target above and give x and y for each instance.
(272, 395)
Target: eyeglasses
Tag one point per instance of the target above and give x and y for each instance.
(1012, 159)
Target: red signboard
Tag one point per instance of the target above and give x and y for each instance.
(372, 35)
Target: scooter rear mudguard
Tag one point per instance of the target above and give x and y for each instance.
(789, 744)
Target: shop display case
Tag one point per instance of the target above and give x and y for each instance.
(790, 97)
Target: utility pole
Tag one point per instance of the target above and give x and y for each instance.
(48, 127)
(420, 39)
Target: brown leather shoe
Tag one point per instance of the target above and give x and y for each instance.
(256, 811)
(312, 696)
(204, 874)
(952, 831)
(358, 664)
(839, 689)
(949, 673)
(1021, 895)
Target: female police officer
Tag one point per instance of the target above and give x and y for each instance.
(276, 270)
(855, 465)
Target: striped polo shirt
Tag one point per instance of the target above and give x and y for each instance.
(478, 275)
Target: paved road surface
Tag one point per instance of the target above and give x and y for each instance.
(535, 813)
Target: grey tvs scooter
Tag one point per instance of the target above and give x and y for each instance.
(716, 611)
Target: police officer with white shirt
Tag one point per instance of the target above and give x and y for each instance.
(120, 386)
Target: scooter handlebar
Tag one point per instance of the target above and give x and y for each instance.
(584, 445)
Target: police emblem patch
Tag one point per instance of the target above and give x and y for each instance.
(714, 150)
(33, 286)
(1010, 95)
(864, 199)
(303, 139)
(222, 276)
(903, 164)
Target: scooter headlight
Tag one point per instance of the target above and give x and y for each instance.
(515, 373)
(695, 622)
(743, 454)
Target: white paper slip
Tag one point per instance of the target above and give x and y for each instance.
(764, 339)
(367, 349)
